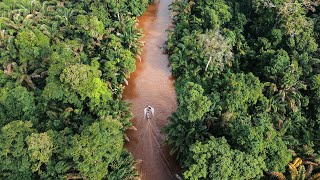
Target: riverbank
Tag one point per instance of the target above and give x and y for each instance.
(152, 84)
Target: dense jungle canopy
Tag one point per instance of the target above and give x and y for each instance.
(63, 66)
(248, 84)
(247, 78)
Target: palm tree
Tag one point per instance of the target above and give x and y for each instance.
(180, 8)
(20, 73)
(298, 172)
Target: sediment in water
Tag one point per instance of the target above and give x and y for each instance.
(152, 84)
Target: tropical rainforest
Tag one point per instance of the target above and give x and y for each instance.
(248, 83)
(63, 69)
(247, 79)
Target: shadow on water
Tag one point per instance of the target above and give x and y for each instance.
(152, 84)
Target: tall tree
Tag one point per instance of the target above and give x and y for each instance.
(98, 145)
(215, 159)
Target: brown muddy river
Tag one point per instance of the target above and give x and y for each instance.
(152, 84)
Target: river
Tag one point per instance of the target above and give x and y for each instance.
(152, 84)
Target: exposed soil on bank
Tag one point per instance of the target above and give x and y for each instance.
(152, 84)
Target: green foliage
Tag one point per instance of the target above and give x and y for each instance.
(241, 91)
(123, 168)
(40, 147)
(182, 134)
(186, 123)
(259, 138)
(215, 13)
(201, 15)
(58, 167)
(215, 159)
(32, 47)
(90, 25)
(96, 148)
(16, 103)
(80, 82)
(15, 160)
(84, 80)
(63, 68)
(257, 62)
(315, 86)
(193, 104)
(278, 64)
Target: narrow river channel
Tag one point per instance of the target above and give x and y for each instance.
(152, 84)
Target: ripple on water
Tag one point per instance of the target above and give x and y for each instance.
(152, 84)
